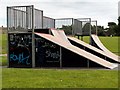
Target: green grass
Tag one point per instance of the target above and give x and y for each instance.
(3, 60)
(86, 39)
(3, 40)
(59, 78)
(111, 43)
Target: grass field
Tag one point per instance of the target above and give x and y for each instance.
(3, 61)
(3, 40)
(59, 78)
(111, 43)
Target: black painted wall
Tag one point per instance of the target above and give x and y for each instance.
(47, 53)
(70, 59)
(20, 50)
(46, 31)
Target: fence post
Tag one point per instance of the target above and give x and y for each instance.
(72, 27)
(33, 39)
(7, 39)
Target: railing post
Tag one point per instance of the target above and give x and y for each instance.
(33, 39)
(60, 57)
(7, 39)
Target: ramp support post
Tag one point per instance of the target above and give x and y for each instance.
(96, 28)
(88, 64)
(33, 39)
(90, 31)
(7, 39)
(82, 37)
(60, 57)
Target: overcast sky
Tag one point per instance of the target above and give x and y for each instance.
(103, 11)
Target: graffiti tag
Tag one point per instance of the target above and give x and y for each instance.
(54, 55)
(20, 58)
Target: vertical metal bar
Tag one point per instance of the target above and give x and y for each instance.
(90, 31)
(16, 19)
(82, 27)
(90, 41)
(90, 25)
(7, 39)
(22, 19)
(9, 17)
(96, 28)
(33, 39)
(72, 27)
(81, 37)
(88, 64)
(27, 18)
(14, 16)
(42, 19)
(54, 23)
(60, 57)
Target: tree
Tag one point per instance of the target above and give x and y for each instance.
(111, 24)
(93, 29)
(117, 30)
(111, 30)
(67, 29)
(100, 31)
(86, 29)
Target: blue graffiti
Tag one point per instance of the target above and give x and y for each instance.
(20, 58)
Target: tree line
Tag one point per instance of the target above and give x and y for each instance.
(113, 29)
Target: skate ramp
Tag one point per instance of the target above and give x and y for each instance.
(96, 41)
(92, 49)
(77, 51)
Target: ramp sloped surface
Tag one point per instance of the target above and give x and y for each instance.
(78, 51)
(102, 47)
(60, 34)
(92, 48)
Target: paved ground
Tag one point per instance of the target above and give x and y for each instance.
(3, 55)
(3, 66)
(118, 68)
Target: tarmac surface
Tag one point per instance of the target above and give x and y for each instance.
(3, 55)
